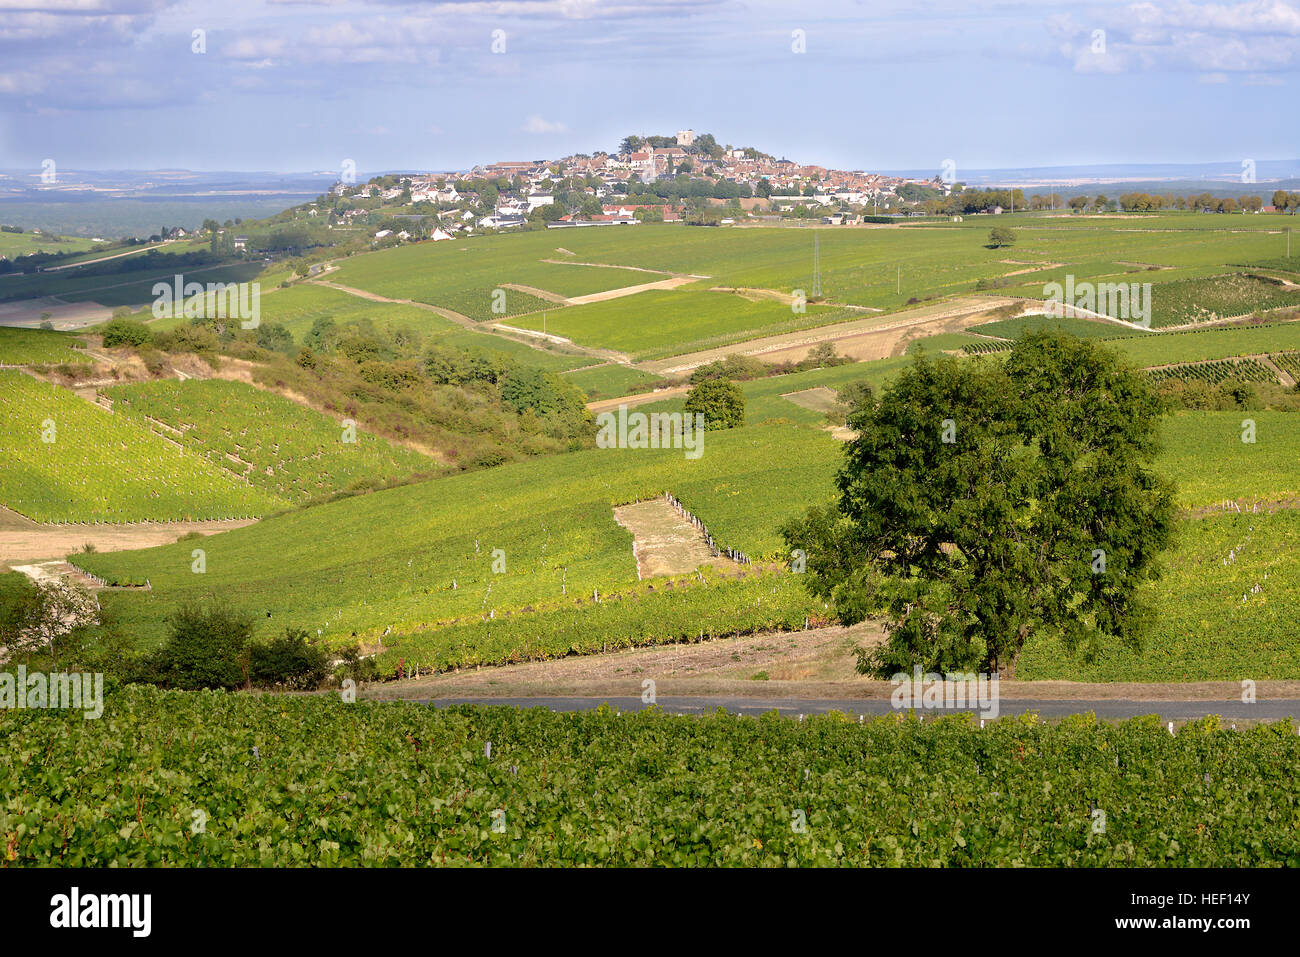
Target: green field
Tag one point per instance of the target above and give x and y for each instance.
(462, 276)
(1182, 255)
(1214, 343)
(277, 445)
(1212, 623)
(407, 785)
(1083, 328)
(659, 323)
(22, 347)
(423, 554)
(13, 245)
(611, 380)
(102, 467)
(419, 559)
(299, 306)
(1204, 453)
(1217, 372)
(123, 289)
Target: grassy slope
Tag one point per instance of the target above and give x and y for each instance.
(32, 346)
(463, 275)
(104, 467)
(391, 558)
(292, 452)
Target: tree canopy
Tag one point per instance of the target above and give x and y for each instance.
(985, 504)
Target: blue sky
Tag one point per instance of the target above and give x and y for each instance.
(291, 85)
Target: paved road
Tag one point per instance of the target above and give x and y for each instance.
(1262, 710)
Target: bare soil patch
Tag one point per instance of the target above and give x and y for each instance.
(536, 292)
(25, 541)
(871, 337)
(819, 399)
(670, 283)
(641, 398)
(665, 542)
(817, 663)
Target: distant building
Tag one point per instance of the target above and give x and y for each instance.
(685, 137)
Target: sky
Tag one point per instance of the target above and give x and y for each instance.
(304, 85)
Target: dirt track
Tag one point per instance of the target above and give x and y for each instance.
(25, 541)
(811, 664)
(872, 337)
(671, 283)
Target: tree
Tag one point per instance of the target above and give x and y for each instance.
(1101, 201)
(205, 648)
(983, 505)
(1000, 236)
(39, 617)
(289, 661)
(720, 401)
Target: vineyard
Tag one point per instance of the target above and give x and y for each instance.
(21, 347)
(1288, 362)
(1216, 372)
(271, 442)
(694, 608)
(478, 544)
(986, 348)
(659, 323)
(204, 779)
(1283, 263)
(1215, 342)
(1218, 297)
(100, 467)
(1225, 608)
(1083, 328)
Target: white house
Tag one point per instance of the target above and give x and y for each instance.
(537, 200)
(439, 235)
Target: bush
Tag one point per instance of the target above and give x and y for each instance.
(206, 648)
(352, 665)
(126, 332)
(721, 402)
(289, 661)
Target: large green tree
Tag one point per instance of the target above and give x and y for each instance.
(986, 504)
(720, 400)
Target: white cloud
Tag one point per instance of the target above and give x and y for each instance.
(535, 124)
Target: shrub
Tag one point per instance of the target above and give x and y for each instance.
(206, 648)
(289, 661)
(126, 332)
(352, 665)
